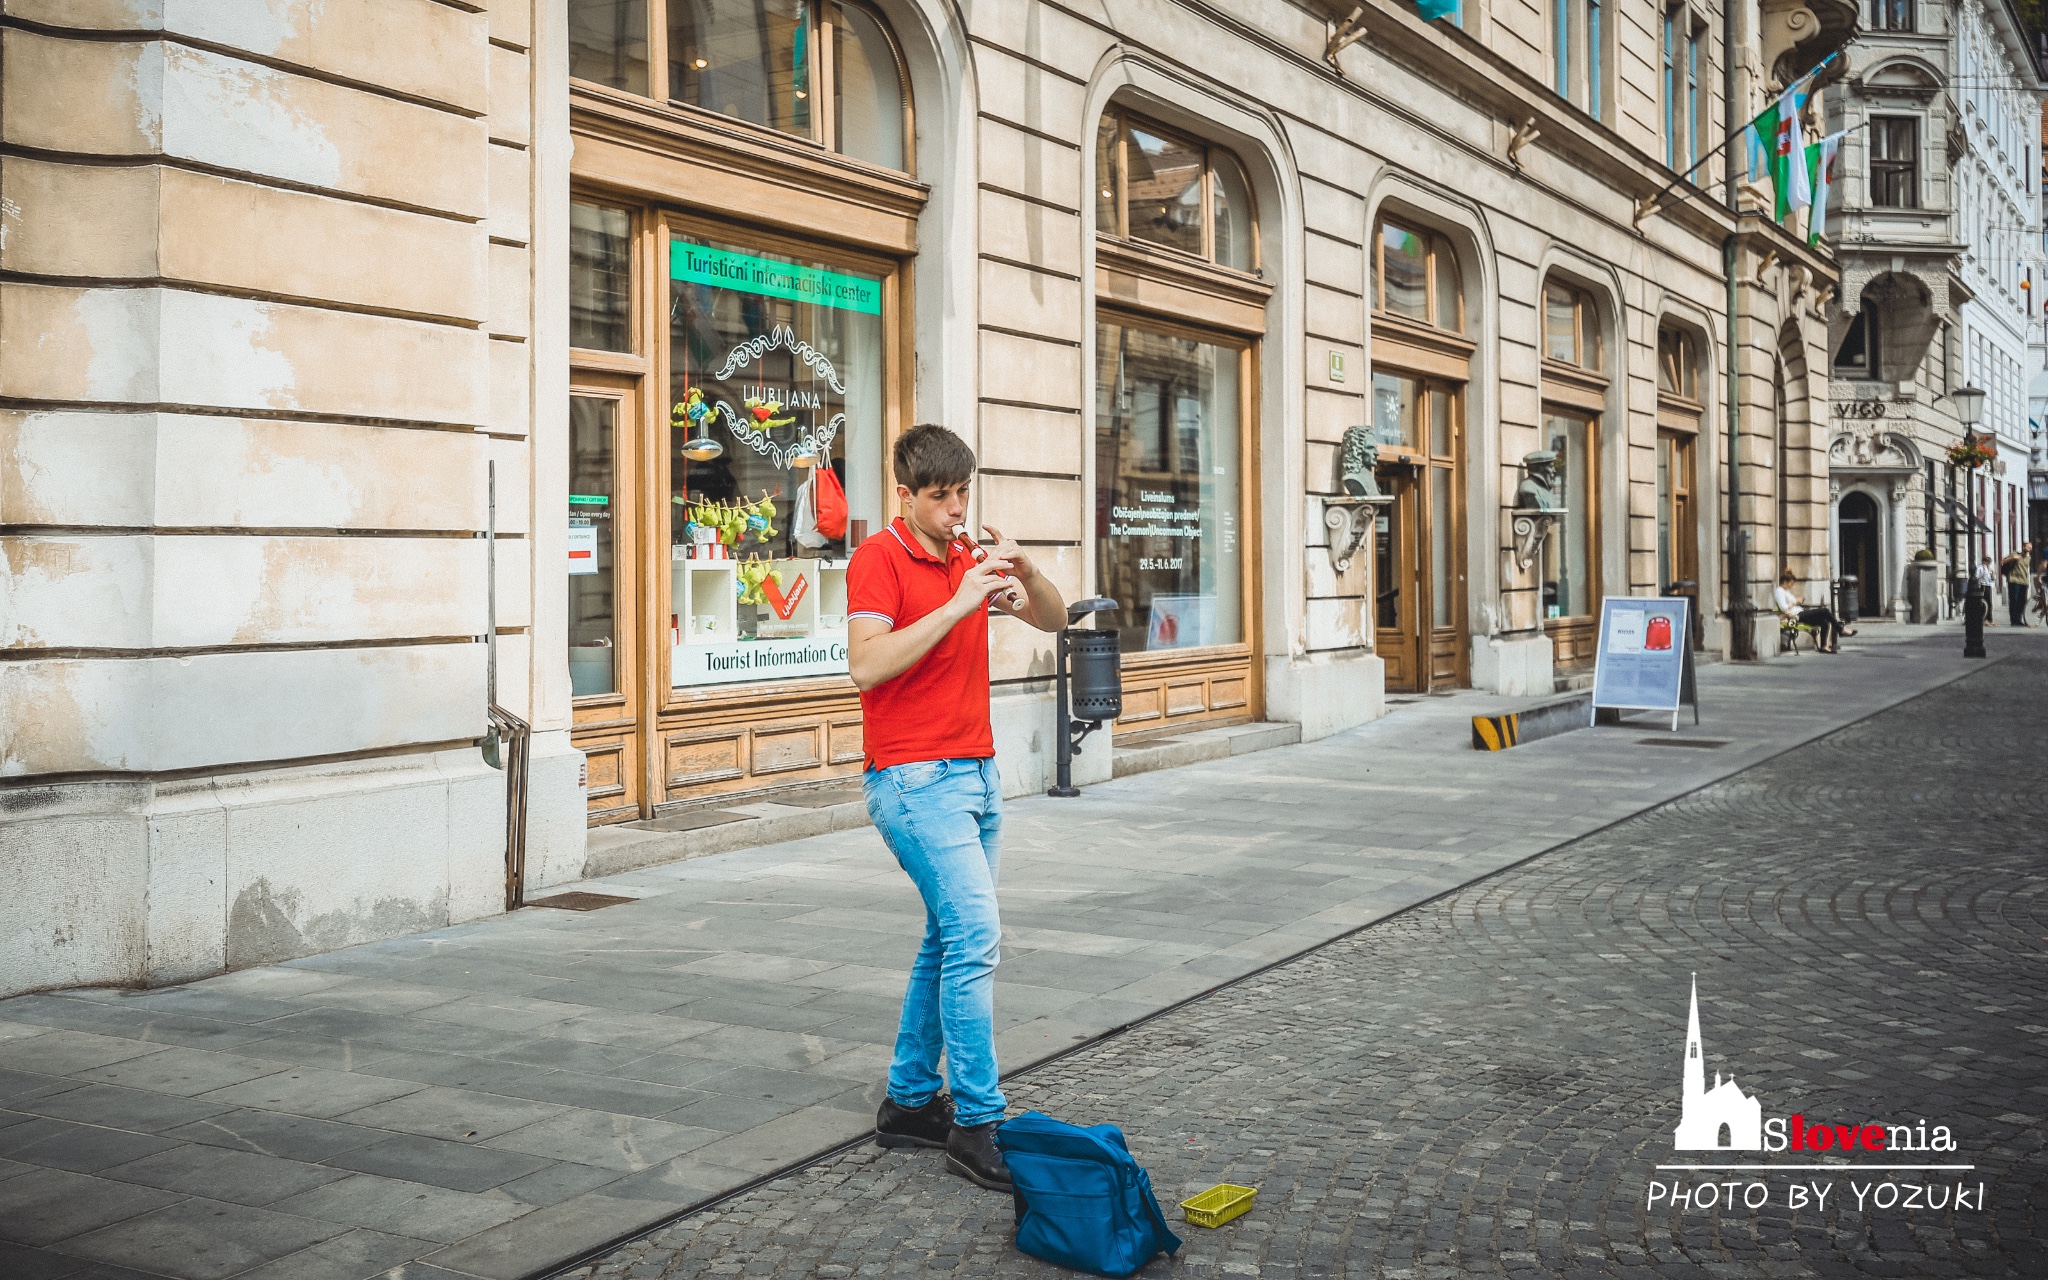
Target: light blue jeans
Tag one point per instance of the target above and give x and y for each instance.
(943, 819)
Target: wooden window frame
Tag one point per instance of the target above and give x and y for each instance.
(1435, 247)
(1578, 628)
(669, 223)
(1683, 496)
(1866, 368)
(1586, 330)
(610, 722)
(1582, 38)
(865, 221)
(1578, 390)
(1890, 172)
(1678, 354)
(1167, 667)
(1121, 232)
(597, 357)
(823, 133)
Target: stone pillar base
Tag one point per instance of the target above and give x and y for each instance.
(143, 882)
(1326, 693)
(1518, 667)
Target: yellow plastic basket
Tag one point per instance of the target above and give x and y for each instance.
(1218, 1205)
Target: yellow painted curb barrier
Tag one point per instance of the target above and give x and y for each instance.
(1496, 733)
(1218, 1205)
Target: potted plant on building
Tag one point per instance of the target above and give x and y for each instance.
(1972, 451)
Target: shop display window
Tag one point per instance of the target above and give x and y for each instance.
(775, 465)
(1168, 488)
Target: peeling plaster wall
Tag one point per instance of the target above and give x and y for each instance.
(269, 315)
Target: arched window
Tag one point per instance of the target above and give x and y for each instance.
(1164, 188)
(1857, 355)
(1679, 412)
(870, 107)
(1415, 274)
(829, 72)
(1574, 402)
(1678, 364)
(1571, 327)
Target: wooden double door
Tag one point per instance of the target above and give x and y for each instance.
(1419, 585)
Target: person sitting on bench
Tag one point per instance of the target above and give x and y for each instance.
(1827, 629)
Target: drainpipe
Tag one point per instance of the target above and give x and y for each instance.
(1741, 637)
(508, 741)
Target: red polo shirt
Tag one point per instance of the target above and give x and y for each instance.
(938, 709)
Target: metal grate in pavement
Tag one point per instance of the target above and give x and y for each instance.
(1708, 743)
(577, 900)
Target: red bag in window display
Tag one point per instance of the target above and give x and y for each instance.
(831, 499)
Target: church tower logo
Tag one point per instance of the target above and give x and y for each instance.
(1722, 1118)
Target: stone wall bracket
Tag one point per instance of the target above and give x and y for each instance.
(1349, 519)
(1531, 527)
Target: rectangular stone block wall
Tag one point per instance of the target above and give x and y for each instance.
(266, 322)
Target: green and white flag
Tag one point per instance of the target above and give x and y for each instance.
(1820, 164)
(1777, 135)
(1788, 153)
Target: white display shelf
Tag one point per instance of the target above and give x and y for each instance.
(831, 592)
(709, 589)
(706, 591)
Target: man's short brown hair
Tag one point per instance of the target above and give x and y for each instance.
(929, 454)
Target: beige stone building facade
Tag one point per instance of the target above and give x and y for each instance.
(285, 284)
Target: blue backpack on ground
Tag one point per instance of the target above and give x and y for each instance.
(1082, 1202)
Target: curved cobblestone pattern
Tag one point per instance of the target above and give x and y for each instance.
(1485, 1085)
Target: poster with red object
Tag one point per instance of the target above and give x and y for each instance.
(1643, 657)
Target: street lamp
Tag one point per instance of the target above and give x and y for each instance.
(1969, 403)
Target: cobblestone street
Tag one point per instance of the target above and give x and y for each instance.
(1487, 1084)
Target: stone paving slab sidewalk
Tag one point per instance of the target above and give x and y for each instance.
(497, 1099)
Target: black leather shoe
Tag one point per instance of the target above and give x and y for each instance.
(972, 1154)
(925, 1126)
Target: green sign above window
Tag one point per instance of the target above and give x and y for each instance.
(773, 278)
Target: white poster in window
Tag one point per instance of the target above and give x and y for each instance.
(1179, 622)
(582, 549)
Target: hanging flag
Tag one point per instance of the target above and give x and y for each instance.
(1788, 173)
(1431, 10)
(1820, 165)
